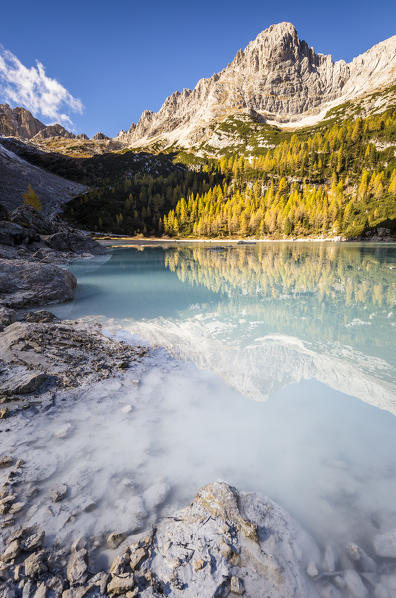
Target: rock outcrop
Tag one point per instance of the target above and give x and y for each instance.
(225, 543)
(19, 122)
(278, 77)
(229, 541)
(53, 131)
(24, 283)
(74, 242)
(42, 353)
(30, 246)
(30, 218)
(100, 137)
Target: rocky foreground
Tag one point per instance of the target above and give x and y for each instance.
(225, 543)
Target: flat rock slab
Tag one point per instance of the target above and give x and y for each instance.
(51, 353)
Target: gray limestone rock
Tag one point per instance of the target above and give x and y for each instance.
(115, 539)
(35, 564)
(75, 242)
(121, 584)
(31, 283)
(59, 493)
(77, 567)
(224, 536)
(276, 77)
(37, 356)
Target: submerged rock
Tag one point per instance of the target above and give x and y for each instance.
(385, 544)
(226, 541)
(59, 493)
(115, 539)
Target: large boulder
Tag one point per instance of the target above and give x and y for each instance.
(15, 234)
(32, 283)
(227, 541)
(75, 242)
(28, 217)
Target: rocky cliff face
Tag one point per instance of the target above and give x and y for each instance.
(18, 122)
(277, 77)
(53, 131)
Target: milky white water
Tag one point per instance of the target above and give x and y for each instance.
(273, 368)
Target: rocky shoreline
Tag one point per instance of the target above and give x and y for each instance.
(225, 543)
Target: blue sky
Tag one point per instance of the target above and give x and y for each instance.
(105, 62)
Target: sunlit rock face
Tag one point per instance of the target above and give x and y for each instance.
(18, 122)
(277, 77)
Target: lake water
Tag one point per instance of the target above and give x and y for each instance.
(278, 376)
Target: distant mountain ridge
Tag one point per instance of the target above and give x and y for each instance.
(18, 122)
(277, 78)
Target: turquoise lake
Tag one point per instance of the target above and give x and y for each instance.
(273, 367)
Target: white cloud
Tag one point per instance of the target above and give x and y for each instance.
(33, 89)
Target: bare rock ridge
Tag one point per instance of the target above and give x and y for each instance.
(278, 76)
(18, 122)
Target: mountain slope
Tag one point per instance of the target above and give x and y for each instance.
(277, 78)
(17, 174)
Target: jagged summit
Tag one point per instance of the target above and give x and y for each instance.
(18, 122)
(277, 76)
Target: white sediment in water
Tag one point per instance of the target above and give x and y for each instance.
(132, 451)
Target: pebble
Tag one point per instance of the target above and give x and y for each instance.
(237, 586)
(16, 507)
(64, 431)
(35, 564)
(59, 493)
(115, 539)
(11, 552)
(137, 557)
(120, 584)
(77, 567)
(312, 569)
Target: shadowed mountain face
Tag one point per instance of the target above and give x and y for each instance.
(277, 77)
(16, 174)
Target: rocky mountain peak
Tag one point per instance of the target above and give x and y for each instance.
(277, 76)
(18, 122)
